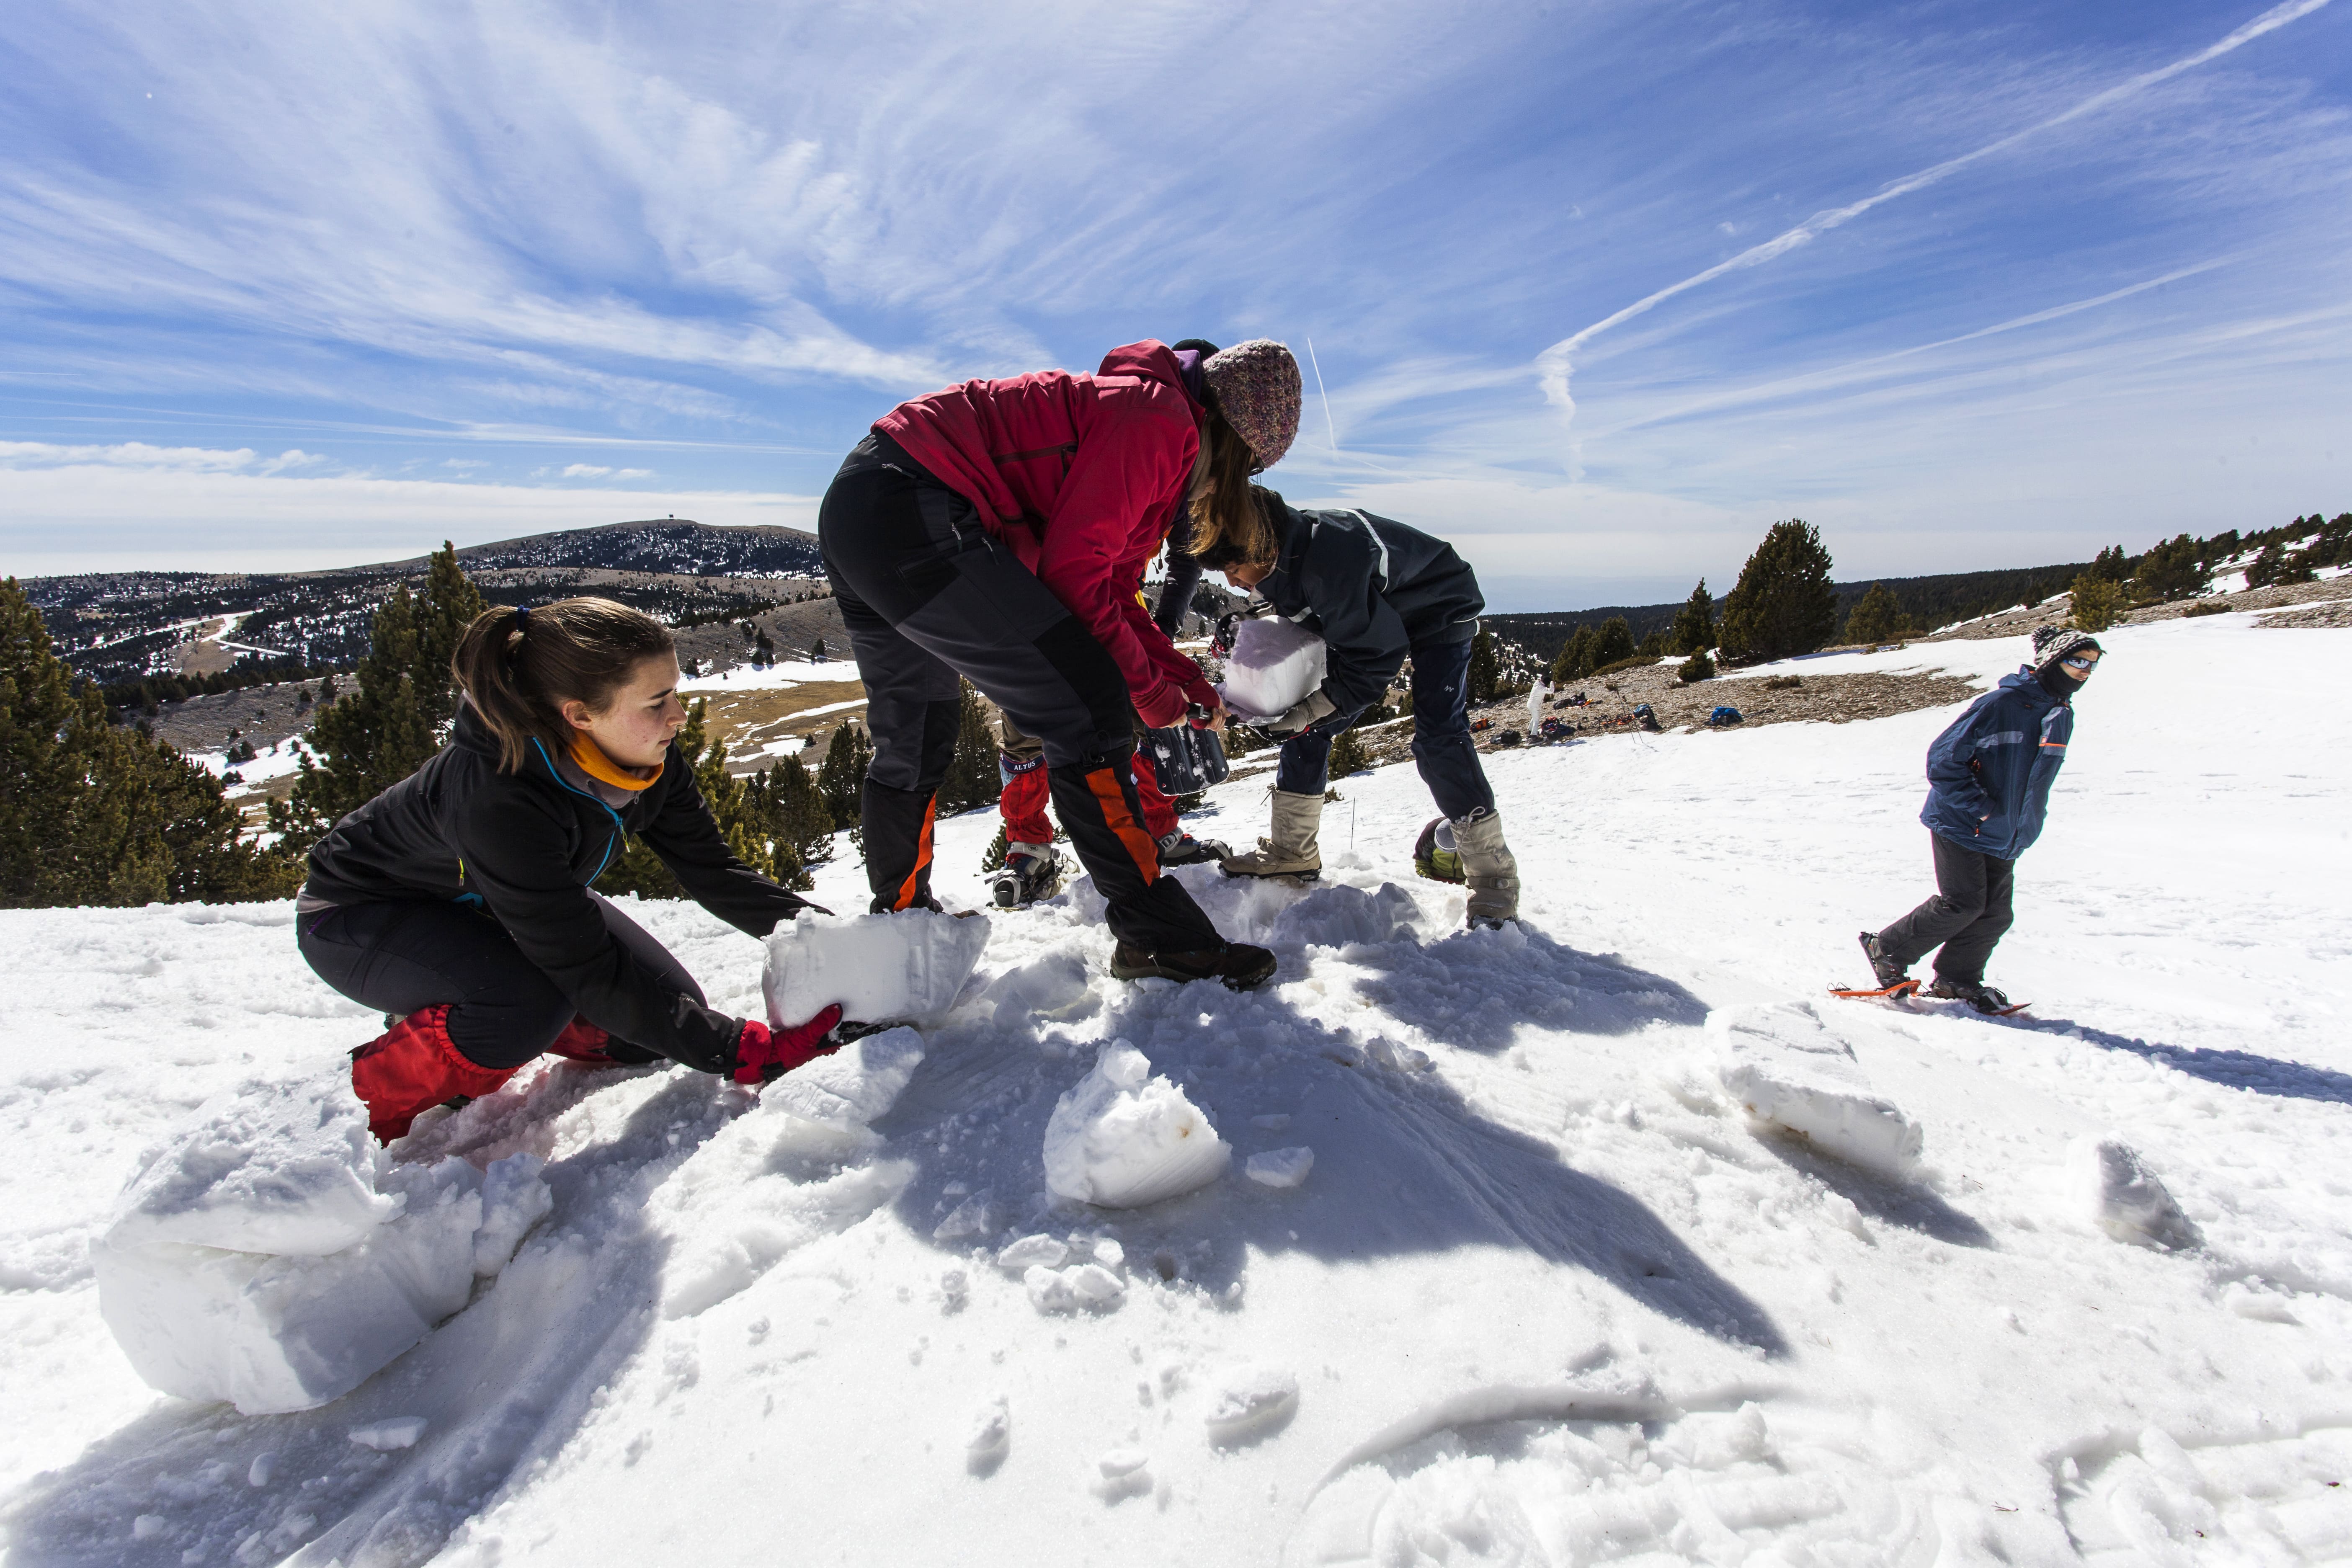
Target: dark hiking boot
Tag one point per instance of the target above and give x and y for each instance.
(1240, 967)
(1181, 848)
(1889, 972)
(1031, 872)
(1974, 992)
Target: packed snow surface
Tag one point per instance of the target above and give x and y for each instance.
(1272, 665)
(906, 967)
(1612, 1248)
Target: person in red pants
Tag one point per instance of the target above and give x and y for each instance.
(457, 901)
(998, 530)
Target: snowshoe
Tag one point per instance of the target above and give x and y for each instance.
(1976, 994)
(1240, 967)
(1181, 848)
(1889, 972)
(1026, 877)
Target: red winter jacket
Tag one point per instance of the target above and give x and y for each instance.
(1080, 475)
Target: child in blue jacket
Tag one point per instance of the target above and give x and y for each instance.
(1989, 779)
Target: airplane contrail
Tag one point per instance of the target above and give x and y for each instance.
(1555, 364)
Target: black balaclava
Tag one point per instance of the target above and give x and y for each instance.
(2057, 682)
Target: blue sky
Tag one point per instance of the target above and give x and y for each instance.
(307, 285)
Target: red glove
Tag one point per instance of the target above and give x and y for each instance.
(760, 1055)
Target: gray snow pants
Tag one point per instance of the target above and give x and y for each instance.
(1968, 914)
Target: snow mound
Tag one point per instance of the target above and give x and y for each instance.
(2123, 1197)
(1274, 665)
(215, 1277)
(268, 1166)
(901, 968)
(1786, 1071)
(1123, 1137)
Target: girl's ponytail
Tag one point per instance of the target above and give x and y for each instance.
(519, 666)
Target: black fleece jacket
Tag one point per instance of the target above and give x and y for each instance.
(1371, 589)
(524, 846)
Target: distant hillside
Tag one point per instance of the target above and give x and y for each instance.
(1930, 602)
(125, 627)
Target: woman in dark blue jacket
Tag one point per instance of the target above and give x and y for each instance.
(1375, 591)
(1989, 778)
(457, 901)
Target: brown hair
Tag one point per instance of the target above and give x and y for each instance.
(1226, 522)
(519, 666)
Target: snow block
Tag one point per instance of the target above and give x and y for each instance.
(901, 968)
(2122, 1196)
(1274, 665)
(1280, 1167)
(1788, 1071)
(279, 1167)
(1123, 1137)
(275, 1324)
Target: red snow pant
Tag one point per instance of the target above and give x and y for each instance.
(1022, 767)
(928, 596)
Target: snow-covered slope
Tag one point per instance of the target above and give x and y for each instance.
(1618, 1240)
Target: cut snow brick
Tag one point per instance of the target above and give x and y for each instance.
(1788, 1071)
(2123, 1197)
(270, 1334)
(285, 1167)
(901, 968)
(1274, 665)
(1123, 1137)
(1249, 1403)
(384, 1437)
(1280, 1167)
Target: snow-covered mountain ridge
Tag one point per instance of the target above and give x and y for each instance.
(1549, 1293)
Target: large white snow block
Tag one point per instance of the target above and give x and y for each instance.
(274, 1333)
(901, 968)
(1788, 1071)
(281, 1167)
(1123, 1137)
(1272, 665)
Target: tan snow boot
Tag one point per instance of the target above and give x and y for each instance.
(1488, 868)
(1292, 850)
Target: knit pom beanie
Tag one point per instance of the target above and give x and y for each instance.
(2052, 644)
(1257, 389)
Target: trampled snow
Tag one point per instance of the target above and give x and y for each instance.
(1552, 1291)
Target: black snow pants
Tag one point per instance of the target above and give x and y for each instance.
(402, 958)
(1967, 915)
(928, 595)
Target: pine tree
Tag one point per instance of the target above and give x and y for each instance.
(93, 814)
(1485, 668)
(816, 651)
(795, 812)
(973, 778)
(841, 777)
(398, 717)
(1694, 622)
(2097, 602)
(1612, 642)
(1347, 756)
(1875, 618)
(2109, 564)
(2169, 571)
(1697, 667)
(1783, 605)
(1575, 661)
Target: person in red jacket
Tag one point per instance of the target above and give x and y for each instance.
(457, 901)
(999, 530)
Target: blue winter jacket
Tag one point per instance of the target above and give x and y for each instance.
(1988, 775)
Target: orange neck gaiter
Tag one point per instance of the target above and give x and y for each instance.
(604, 770)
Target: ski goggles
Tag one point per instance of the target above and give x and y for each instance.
(2085, 662)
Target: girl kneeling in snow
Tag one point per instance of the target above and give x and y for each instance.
(457, 901)
(1375, 591)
